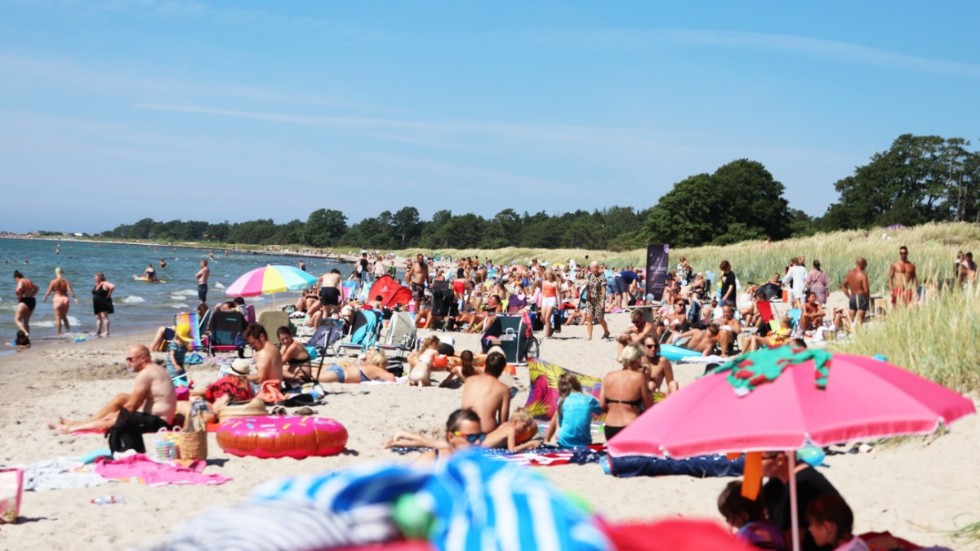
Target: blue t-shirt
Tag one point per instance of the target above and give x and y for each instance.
(179, 353)
(575, 419)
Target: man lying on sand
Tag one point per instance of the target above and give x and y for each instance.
(703, 341)
(153, 396)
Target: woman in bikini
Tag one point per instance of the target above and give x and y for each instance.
(25, 290)
(297, 368)
(372, 368)
(625, 393)
(102, 304)
(60, 287)
(550, 291)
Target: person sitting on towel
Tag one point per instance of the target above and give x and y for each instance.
(153, 398)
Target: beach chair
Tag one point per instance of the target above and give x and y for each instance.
(765, 312)
(364, 332)
(514, 336)
(272, 320)
(401, 335)
(225, 333)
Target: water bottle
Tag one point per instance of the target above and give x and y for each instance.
(109, 499)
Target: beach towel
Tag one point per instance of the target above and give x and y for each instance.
(60, 473)
(542, 456)
(468, 501)
(701, 466)
(140, 468)
(542, 400)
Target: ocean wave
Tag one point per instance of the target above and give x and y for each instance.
(133, 299)
(218, 285)
(184, 293)
(179, 305)
(72, 320)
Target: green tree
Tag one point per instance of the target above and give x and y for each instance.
(406, 226)
(688, 214)
(919, 179)
(324, 227)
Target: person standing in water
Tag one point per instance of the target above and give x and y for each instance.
(60, 287)
(202, 281)
(25, 290)
(102, 304)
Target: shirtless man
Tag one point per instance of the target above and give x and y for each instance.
(638, 330)
(658, 367)
(703, 341)
(202, 281)
(902, 279)
(486, 395)
(153, 396)
(416, 278)
(730, 328)
(268, 359)
(855, 286)
(331, 294)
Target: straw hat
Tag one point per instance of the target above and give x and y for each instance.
(253, 408)
(240, 367)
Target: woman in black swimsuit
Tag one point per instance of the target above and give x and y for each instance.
(25, 291)
(102, 304)
(296, 360)
(625, 393)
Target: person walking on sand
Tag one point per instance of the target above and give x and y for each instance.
(102, 304)
(902, 279)
(60, 287)
(595, 304)
(202, 281)
(855, 286)
(25, 290)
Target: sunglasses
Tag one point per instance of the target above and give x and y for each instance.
(649, 346)
(471, 438)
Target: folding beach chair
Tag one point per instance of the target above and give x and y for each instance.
(226, 332)
(515, 337)
(401, 335)
(364, 333)
(272, 320)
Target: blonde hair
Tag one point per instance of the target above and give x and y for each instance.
(59, 273)
(630, 354)
(376, 357)
(521, 415)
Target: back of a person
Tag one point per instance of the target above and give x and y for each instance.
(575, 423)
(484, 394)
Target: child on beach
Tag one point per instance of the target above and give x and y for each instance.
(573, 420)
(748, 517)
(831, 522)
(176, 351)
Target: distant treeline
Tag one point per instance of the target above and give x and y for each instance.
(920, 179)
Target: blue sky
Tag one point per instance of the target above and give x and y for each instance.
(113, 111)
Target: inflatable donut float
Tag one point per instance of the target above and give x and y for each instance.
(293, 436)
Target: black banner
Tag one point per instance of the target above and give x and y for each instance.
(657, 260)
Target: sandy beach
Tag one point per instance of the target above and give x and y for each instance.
(920, 490)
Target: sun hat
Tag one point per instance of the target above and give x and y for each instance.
(240, 367)
(183, 332)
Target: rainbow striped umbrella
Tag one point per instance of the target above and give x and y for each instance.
(270, 279)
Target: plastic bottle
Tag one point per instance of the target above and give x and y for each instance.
(109, 499)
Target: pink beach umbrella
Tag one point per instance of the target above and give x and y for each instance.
(270, 280)
(786, 398)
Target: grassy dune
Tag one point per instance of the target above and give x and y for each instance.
(937, 340)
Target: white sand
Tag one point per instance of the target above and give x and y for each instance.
(920, 490)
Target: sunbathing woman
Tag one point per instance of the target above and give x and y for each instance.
(630, 390)
(60, 287)
(372, 368)
(813, 313)
(462, 431)
(297, 368)
(515, 435)
(779, 338)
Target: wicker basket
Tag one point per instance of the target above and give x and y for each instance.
(193, 442)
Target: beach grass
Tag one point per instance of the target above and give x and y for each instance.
(936, 340)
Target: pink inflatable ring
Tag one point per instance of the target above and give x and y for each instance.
(282, 436)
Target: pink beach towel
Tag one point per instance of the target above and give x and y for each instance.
(138, 467)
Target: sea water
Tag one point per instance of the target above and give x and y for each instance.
(139, 306)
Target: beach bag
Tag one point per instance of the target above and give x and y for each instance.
(11, 490)
(192, 443)
(164, 447)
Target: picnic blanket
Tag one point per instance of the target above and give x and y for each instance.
(60, 473)
(542, 456)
